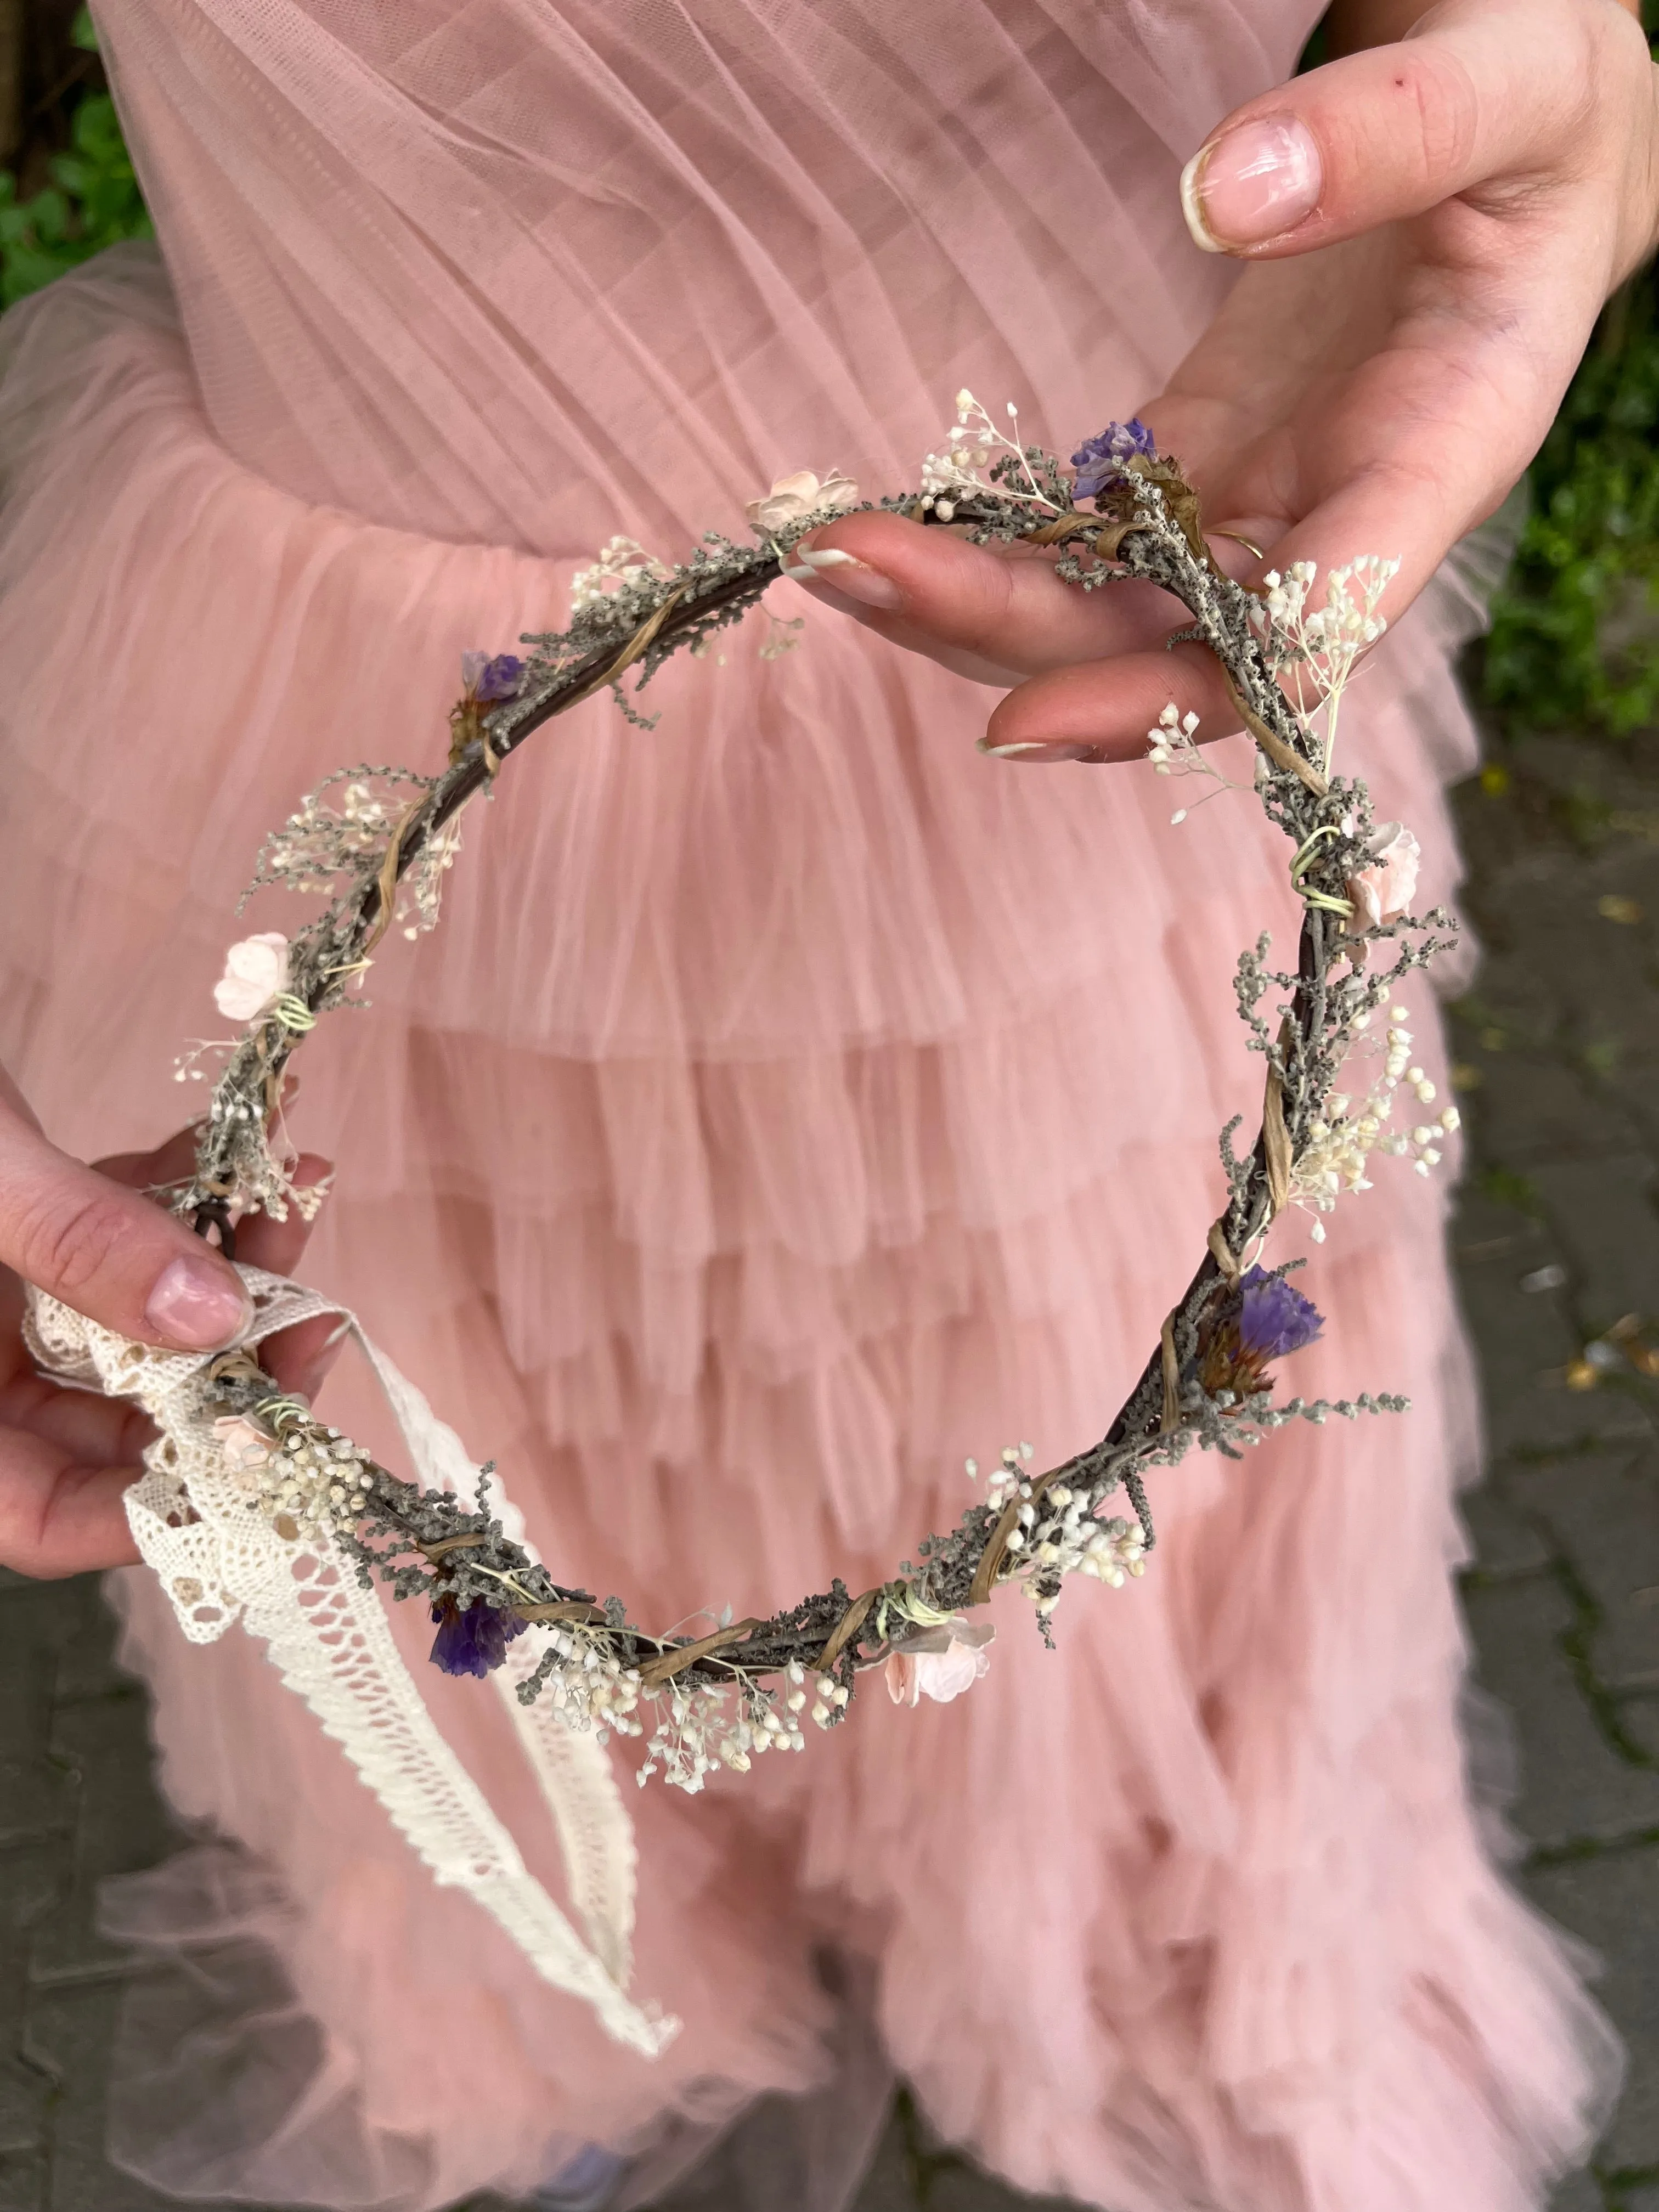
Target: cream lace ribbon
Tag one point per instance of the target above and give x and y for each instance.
(219, 1558)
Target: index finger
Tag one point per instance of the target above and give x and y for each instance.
(1006, 608)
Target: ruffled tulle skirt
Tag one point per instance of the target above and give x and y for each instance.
(791, 1103)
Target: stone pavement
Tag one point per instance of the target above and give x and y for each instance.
(1557, 1052)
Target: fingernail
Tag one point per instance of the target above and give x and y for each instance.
(194, 1306)
(1252, 184)
(1043, 749)
(851, 575)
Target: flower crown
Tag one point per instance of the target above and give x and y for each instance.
(379, 841)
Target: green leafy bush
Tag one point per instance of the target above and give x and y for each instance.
(92, 200)
(1575, 634)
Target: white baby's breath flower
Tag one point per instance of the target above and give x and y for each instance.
(793, 498)
(1172, 750)
(971, 444)
(1318, 649)
(1342, 1135)
(621, 563)
(256, 975)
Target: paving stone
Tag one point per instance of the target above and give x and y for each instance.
(30, 1878)
(121, 1825)
(23, 2177)
(36, 1794)
(1526, 1342)
(31, 1881)
(1505, 1544)
(25, 2101)
(86, 1657)
(70, 2034)
(1486, 1226)
(1573, 1784)
(1634, 1085)
(1593, 976)
(888, 2186)
(965, 2188)
(1604, 1511)
(1603, 1212)
(1612, 1903)
(1536, 1106)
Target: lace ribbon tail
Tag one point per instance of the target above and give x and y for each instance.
(571, 1770)
(330, 1639)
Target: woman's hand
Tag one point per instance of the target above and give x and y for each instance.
(87, 1236)
(1431, 227)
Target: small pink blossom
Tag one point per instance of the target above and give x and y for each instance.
(256, 974)
(1384, 890)
(938, 1662)
(245, 1448)
(791, 499)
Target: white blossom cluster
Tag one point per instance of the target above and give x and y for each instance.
(419, 891)
(1172, 749)
(620, 564)
(306, 1479)
(322, 840)
(347, 836)
(972, 445)
(696, 1727)
(590, 1687)
(1318, 649)
(699, 1728)
(1343, 1136)
(1057, 1533)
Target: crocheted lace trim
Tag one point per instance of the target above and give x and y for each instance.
(197, 1522)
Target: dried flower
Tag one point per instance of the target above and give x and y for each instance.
(472, 1639)
(1268, 1320)
(487, 679)
(938, 1662)
(791, 499)
(1317, 653)
(1384, 890)
(1274, 1319)
(973, 445)
(1099, 460)
(1342, 1135)
(623, 567)
(256, 975)
(1172, 749)
(245, 1448)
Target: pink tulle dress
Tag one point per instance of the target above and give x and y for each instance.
(792, 1102)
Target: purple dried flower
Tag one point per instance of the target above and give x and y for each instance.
(1099, 461)
(1274, 1320)
(472, 1639)
(1266, 1322)
(487, 679)
(500, 678)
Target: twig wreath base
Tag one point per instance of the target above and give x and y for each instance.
(378, 840)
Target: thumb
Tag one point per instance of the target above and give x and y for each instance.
(1475, 94)
(105, 1251)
